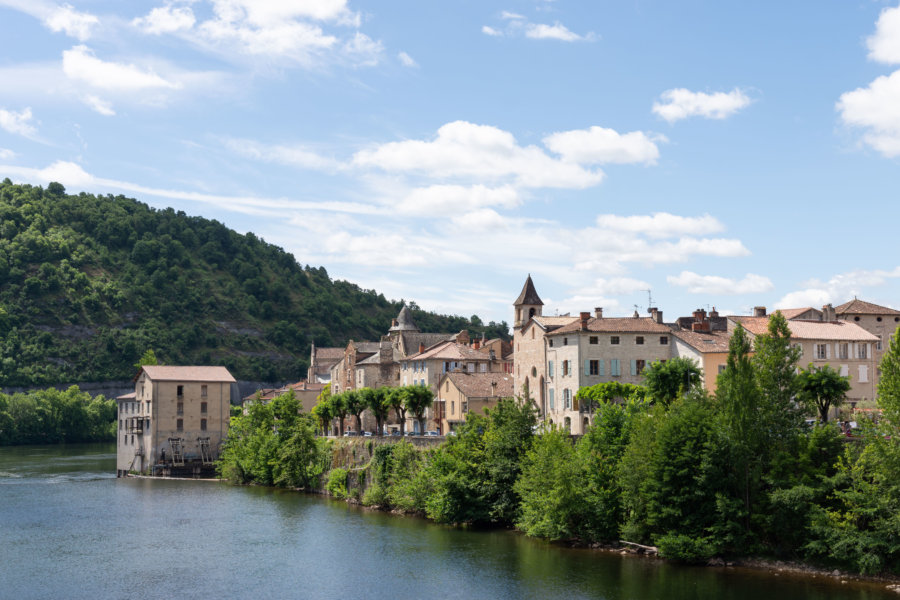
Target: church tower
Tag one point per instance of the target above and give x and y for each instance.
(527, 305)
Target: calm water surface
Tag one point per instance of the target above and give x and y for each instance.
(70, 529)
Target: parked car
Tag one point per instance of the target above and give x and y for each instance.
(350, 433)
(411, 433)
(367, 434)
(396, 433)
(432, 433)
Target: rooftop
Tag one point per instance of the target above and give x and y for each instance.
(859, 307)
(173, 373)
(528, 295)
(449, 350)
(704, 341)
(616, 325)
(811, 330)
(483, 385)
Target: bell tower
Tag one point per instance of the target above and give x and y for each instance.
(527, 305)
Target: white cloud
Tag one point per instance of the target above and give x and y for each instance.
(483, 220)
(615, 286)
(660, 225)
(80, 64)
(18, 123)
(599, 145)
(6, 154)
(363, 50)
(837, 290)
(511, 16)
(101, 106)
(407, 60)
(292, 156)
(268, 12)
(467, 150)
(166, 19)
(680, 104)
(73, 23)
(884, 44)
(488, 30)
(440, 201)
(714, 285)
(875, 109)
(557, 31)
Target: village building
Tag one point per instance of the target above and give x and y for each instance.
(599, 349)
(880, 321)
(530, 328)
(463, 392)
(177, 418)
(307, 393)
(321, 360)
(844, 345)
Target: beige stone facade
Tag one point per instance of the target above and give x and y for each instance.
(174, 412)
(461, 393)
(880, 321)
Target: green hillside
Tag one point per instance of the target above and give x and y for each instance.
(88, 283)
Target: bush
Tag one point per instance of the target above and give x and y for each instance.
(337, 483)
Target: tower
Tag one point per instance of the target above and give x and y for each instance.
(527, 305)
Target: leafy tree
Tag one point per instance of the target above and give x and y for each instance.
(776, 369)
(322, 413)
(667, 380)
(377, 401)
(889, 383)
(395, 399)
(822, 388)
(356, 405)
(299, 456)
(596, 396)
(416, 399)
(337, 404)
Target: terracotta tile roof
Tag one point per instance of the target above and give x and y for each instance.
(129, 396)
(705, 341)
(859, 307)
(790, 313)
(811, 330)
(616, 325)
(449, 351)
(173, 373)
(551, 323)
(483, 385)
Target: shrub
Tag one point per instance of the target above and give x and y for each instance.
(337, 483)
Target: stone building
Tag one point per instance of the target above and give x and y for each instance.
(598, 349)
(880, 321)
(177, 418)
(463, 392)
(320, 362)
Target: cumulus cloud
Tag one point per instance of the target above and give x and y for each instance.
(838, 289)
(467, 150)
(406, 60)
(876, 110)
(517, 24)
(363, 50)
(166, 19)
(884, 44)
(18, 123)
(715, 285)
(599, 145)
(439, 201)
(681, 103)
(80, 64)
(99, 105)
(75, 24)
(660, 225)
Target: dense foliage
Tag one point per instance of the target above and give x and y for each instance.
(88, 283)
(54, 416)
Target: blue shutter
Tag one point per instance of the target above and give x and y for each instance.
(552, 403)
(550, 368)
(614, 367)
(587, 367)
(633, 367)
(602, 371)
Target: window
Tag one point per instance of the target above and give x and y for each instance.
(821, 351)
(639, 340)
(721, 368)
(447, 386)
(614, 340)
(614, 368)
(551, 342)
(484, 367)
(594, 366)
(878, 319)
(532, 334)
(470, 367)
(863, 373)
(663, 340)
(453, 407)
(845, 370)
(202, 424)
(549, 368)
(179, 424)
(180, 408)
(203, 408)
(878, 345)
(180, 390)
(639, 365)
(120, 425)
(856, 318)
(203, 391)
(843, 351)
(148, 406)
(552, 401)
(534, 371)
(567, 396)
(593, 340)
(863, 350)
(565, 341)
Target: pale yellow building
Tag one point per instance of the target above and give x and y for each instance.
(177, 418)
(462, 392)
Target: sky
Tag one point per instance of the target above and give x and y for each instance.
(690, 154)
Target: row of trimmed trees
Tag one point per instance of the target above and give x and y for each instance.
(409, 399)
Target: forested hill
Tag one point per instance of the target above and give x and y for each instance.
(88, 283)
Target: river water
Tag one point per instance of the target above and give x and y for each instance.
(70, 529)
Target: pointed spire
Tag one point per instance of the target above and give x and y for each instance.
(529, 295)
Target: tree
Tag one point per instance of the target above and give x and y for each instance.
(889, 383)
(395, 399)
(338, 406)
(377, 402)
(596, 396)
(670, 379)
(322, 413)
(776, 374)
(147, 358)
(416, 398)
(822, 388)
(356, 404)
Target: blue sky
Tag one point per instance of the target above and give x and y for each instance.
(717, 153)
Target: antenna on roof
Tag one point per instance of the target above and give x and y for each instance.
(649, 299)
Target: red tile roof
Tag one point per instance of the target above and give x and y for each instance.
(483, 385)
(811, 330)
(329, 353)
(616, 325)
(449, 351)
(705, 341)
(173, 373)
(859, 307)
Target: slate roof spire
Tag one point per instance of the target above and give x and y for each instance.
(405, 321)
(529, 295)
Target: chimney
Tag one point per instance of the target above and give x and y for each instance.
(598, 312)
(476, 344)
(584, 320)
(656, 315)
(713, 314)
(700, 326)
(828, 313)
(394, 323)
(759, 311)
(421, 347)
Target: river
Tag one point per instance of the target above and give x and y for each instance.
(70, 529)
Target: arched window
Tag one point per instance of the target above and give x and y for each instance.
(530, 313)
(585, 425)
(568, 422)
